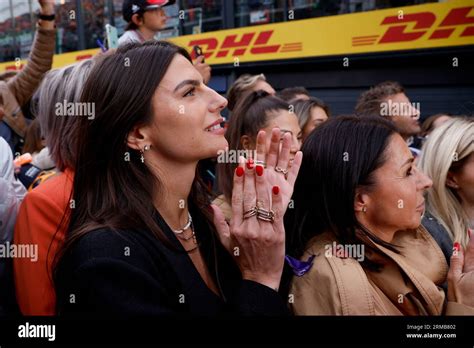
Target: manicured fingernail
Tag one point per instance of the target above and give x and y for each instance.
(239, 171)
(456, 246)
(250, 163)
(259, 170)
(276, 190)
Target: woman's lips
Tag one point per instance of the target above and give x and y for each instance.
(421, 207)
(216, 129)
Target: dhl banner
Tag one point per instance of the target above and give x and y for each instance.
(432, 25)
(59, 60)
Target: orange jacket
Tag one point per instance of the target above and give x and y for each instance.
(40, 215)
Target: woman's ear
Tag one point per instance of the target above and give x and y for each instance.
(247, 143)
(136, 138)
(361, 200)
(451, 181)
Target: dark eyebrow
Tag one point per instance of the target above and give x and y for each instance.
(408, 161)
(194, 83)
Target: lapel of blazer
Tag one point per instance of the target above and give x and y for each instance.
(419, 249)
(197, 296)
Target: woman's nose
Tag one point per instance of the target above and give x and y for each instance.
(424, 181)
(295, 144)
(218, 102)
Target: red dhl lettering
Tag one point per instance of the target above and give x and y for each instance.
(237, 45)
(423, 23)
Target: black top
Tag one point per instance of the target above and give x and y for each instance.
(439, 233)
(132, 273)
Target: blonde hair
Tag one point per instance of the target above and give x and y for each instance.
(243, 84)
(58, 85)
(445, 150)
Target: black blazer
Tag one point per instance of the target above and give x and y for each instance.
(131, 273)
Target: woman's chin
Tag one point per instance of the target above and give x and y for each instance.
(415, 223)
(218, 146)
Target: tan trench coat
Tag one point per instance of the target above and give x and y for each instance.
(408, 285)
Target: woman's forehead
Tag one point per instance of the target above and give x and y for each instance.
(180, 69)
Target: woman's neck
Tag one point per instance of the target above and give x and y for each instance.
(171, 200)
(386, 234)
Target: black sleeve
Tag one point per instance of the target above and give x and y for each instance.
(98, 276)
(255, 299)
(113, 288)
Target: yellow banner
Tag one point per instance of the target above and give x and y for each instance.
(59, 60)
(424, 26)
(433, 25)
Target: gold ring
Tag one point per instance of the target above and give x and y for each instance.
(281, 170)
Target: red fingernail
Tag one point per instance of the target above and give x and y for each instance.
(259, 170)
(239, 171)
(456, 246)
(276, 190)
(250, 163)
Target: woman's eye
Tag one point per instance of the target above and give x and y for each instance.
(190, 93)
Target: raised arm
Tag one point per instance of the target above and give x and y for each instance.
(41, 57)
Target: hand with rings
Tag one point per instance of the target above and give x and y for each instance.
(279, 172)
(259, 200)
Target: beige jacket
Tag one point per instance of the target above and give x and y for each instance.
(408, 285)
(16, 92)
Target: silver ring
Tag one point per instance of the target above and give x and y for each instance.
(262, 163)
(281, 170)
(249, 213)
(265, 215)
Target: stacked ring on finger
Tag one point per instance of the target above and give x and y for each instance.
(249, 213)
(261, 163)
(281, 170)
(265, 215)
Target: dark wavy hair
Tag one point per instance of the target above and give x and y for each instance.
(326, 185)
(109, 191)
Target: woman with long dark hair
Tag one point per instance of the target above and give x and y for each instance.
(356, 227)
(142, 237)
